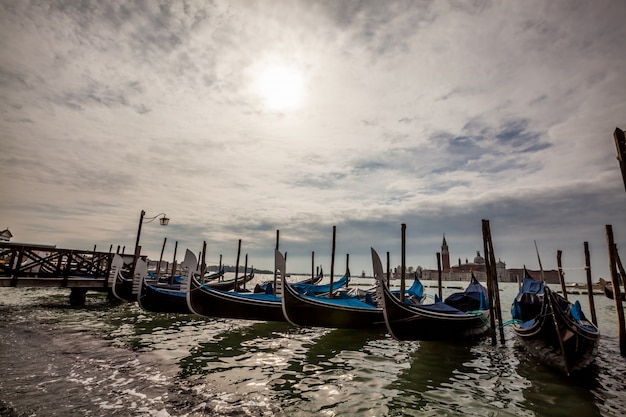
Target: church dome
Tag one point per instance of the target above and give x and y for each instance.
(479, 259)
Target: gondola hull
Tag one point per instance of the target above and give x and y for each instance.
(303, 310)
(206, 301)
(410, 322)
(162, 300)
(556, 340)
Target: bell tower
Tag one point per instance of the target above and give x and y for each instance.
(445, 255)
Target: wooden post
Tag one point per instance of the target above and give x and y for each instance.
(171, 278)
(219, 270)
(237, 265)
(203, 267)
(620, 144)
(347, 268)
(332, 264)
(440, 290)
(490, 285)
(160, 260)
(403, 264)
(245, 269)
(592, 305)
(617, 296)
(275, 271)
(559, 254)
(388, 270)
(496, 285)
(620, 267)
(492, 318)
(312, 265)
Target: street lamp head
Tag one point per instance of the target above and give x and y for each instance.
(164, 220)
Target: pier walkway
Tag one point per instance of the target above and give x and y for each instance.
(25, 265)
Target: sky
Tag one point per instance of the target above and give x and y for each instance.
(238, 119)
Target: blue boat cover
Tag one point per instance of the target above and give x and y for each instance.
(528, 295)
(530, 285)
(577, 314)
(344, 301)
(439, 307)
(303, 288)
(416, 290)
(246, 295)
(314, 289)
(474, 291)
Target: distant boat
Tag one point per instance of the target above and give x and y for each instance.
(608, 289)
(461, 315)
(552, 329)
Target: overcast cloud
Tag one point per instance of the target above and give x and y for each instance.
(434, 114)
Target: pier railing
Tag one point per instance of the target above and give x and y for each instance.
(41, 265)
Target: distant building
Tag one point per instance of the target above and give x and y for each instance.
(5, 235)
(463, 271)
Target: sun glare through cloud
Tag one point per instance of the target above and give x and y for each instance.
(281, 87)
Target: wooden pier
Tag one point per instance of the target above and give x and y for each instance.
(23, 265)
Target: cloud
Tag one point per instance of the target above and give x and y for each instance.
(432, 114)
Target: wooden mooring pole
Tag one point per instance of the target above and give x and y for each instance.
(388, 270)
(158, 272)
(559, 255)
(620, 267)
(617, 296)
(492, 277)
(275, 269)
(237, 266)
(439, 285)
(332, 263)
(592, 304)
(245, 269)
(203, 267)
(620, 144)
(403, 264)
(171, 279)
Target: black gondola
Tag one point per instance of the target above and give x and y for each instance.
(161, 299)
(437, 321)
(341, 312)
(552, 329)
(165, 298)
(204, 300)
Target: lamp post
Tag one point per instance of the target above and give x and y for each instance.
(162, 220)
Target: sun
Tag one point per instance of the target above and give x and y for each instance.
(280, 87)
